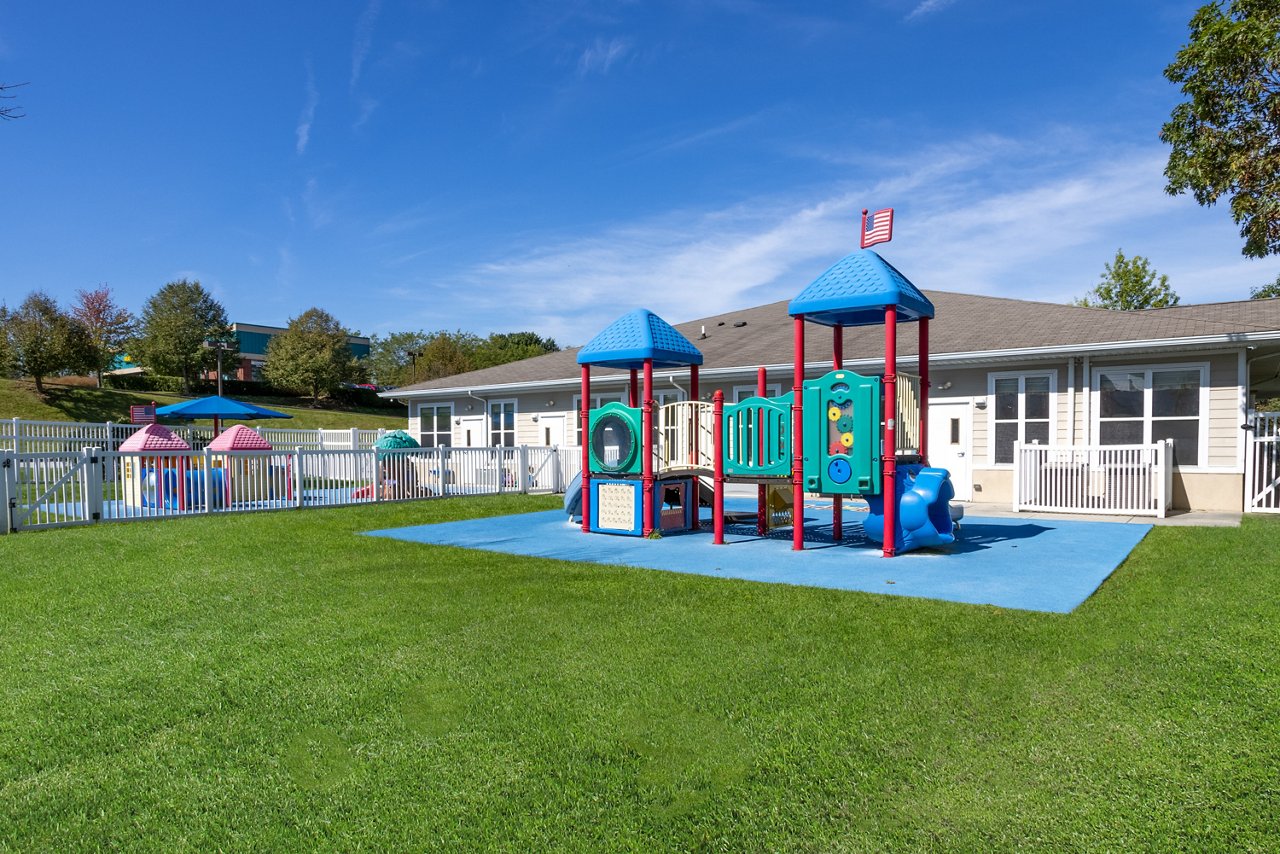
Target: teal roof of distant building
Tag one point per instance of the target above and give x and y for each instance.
(856, 290)
(635, 337)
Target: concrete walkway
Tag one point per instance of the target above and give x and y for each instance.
(1203, 518)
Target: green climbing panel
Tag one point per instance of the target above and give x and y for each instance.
(842, 434)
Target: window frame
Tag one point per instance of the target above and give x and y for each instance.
(436, 434)
(496, 435)
(740, 393)
(1021, 377)
(1147, 371)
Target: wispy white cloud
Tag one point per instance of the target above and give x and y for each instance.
(926, 8)
(363, 39)
(303, 129)
(983, 215)
(601, 56)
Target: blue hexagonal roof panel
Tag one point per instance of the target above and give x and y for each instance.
(635, 337)
(855, 291)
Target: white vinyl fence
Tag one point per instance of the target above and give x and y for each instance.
(1262, 464)
(22, 436)
(45, 489)
(1131, 480)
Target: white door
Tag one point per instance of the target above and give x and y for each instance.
(950, 443)
(551, 430)
(472, 432)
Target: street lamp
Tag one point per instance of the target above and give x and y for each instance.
(219, 346)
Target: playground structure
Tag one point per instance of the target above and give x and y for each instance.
(249, 477)
(164, 477)
(841, 434)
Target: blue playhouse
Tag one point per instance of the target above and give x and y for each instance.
(840, 435)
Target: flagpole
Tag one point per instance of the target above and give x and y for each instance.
(862, 232)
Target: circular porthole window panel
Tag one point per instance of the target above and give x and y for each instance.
(613, 444)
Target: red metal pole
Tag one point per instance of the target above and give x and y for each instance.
(634, 395)
(762, 509)
(889, 448)
(693, 410)
(797, 439)
(837, 501)
(924, 391)
(717, 482)
(646, 444)
(584, 416)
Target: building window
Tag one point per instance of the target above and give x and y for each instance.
(1139, 406)
(435, 425)
(597, 401)
(742, 392)
(1021, 410)
(502, 423)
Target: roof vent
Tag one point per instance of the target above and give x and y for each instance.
(739, 324)
(703, 334)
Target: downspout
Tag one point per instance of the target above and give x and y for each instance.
(484, 412)
(1071, 401)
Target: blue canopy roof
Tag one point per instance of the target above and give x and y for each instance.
(637, 336)
(217, 407)
(855, 291)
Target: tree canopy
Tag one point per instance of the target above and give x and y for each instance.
(402, 358)
(503, 347)
(176, 321)
(1226, 135)
(109, 326)
(43, 340)
(1128, 284)
(1268, 291)
(312, 355)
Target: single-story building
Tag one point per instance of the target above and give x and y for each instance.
(1002, 371)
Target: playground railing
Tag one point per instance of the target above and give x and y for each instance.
(684, 436)
(907, 434)
(1131, 480)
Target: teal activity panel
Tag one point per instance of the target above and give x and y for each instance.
(614, 432)
(842, 434)
(757, 437)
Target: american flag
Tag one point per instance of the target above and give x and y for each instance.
(877, 227)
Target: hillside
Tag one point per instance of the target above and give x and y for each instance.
(18, 399)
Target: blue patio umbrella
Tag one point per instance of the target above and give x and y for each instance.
(217, 408)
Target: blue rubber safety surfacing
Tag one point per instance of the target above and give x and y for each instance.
(1028, 564)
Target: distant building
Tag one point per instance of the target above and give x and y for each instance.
(253, 339)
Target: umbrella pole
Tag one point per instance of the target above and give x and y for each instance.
(217, 426)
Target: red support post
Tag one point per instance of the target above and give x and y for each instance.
(837, 502)
(646, 445)
(762, 491)
(717, 481)
(924, 391)
(797, 439)
(889, 448)
(693, 397)
(584, 415)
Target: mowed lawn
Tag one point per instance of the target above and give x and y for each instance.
(275, 681)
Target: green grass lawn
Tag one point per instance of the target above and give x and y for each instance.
(273, 681)
(18, 399)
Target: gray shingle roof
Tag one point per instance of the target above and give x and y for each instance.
(964, 324)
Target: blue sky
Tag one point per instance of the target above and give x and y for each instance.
(551, 165)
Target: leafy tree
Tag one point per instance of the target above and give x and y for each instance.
(6, 352)
(109, 325)
(503, 347)
(1266, 291)
(312, 355)
(447, 353)
(1128, 284)
(1226, 136)
(176, 321)
(398, 358)
(46, 341)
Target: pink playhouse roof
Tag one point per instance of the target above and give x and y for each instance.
(154, 437)
(240, 438)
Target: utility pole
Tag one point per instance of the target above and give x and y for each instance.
(218, 346)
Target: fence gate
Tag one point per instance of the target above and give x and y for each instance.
(50, 490)
(1262, 464)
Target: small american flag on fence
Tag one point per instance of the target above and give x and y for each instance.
(877, 227)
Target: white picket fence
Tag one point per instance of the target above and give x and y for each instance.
(1134, 480)
(23, 436)
(1262, 464)
(46, 489)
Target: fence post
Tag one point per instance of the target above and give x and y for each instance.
(355, 439)
(1164, 471)
(522, 466)
(208, 479)
(297, 477)
(91, 484)
(557, 481)
(377, 476)
(17, 437)
(1018, 475)
(499, 472)
(8, 489)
